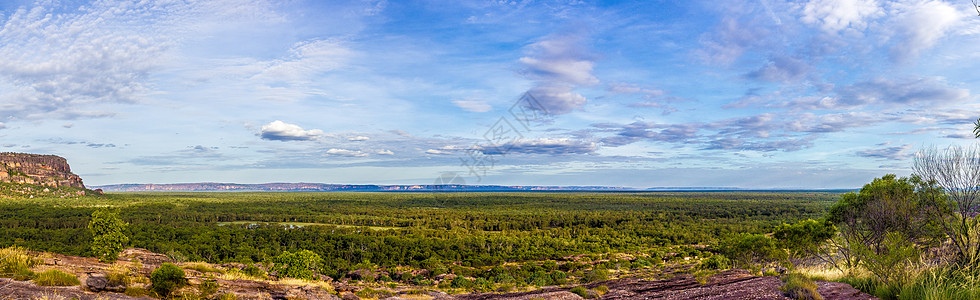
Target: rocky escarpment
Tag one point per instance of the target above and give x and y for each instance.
(44, 170)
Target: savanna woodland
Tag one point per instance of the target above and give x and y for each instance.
(897, 237)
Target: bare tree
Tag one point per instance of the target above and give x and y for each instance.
(976, 5)
(957, 171)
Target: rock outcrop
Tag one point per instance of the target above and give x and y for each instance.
(44, 170)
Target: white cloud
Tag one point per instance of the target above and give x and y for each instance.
(559, 64)
(473, 105)
(836, 15)
(306, 59)
(920, 25)
(358, 138)
(438, 152)
(345, 152)
(282, 131)
(55, 64)
(385, 152)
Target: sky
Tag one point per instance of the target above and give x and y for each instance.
(813, 94)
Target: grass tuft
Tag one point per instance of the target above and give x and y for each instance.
(799, 287)
(55, 277)
(16, 261)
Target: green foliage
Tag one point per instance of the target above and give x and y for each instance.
(421, 230)
(602, 289)
(24, 275)
(752, 248)
(254, 271)
(583, 292)
(16, 262)
(715, 262)
(804, 237)
(167, 278)
(108, 238)
(799, 287)
(207, 287)
(56, 278)
(595, 275)
(302, 264)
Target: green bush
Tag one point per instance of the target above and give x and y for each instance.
(302, 264)
(56, 278)
(254, 271)
(715, 262)
(752, 248)
(602, 289)
(595, 274)
(167, 279)
(797, 286)
(583, 292)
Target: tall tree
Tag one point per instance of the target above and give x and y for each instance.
(107, 229)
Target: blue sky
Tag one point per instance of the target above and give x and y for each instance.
(751, 94)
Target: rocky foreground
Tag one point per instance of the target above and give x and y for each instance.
(731, 284)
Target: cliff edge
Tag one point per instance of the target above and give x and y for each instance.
(44, 170)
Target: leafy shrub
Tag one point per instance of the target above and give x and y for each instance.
(461, 282)
(805, 236)
(752, 248)
(302, 264)
(715, 262)
(56, 278)
(167, 278)
(595, 275)
(15, 261)
(254, 271)
(797, 286)
(602, 289)
(583, 292)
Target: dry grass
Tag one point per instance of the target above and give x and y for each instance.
(300, 282)
(233, 274)
(821, 272)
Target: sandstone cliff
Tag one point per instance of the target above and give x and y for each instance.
(45, 170)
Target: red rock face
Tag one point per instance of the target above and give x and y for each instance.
(46, 170)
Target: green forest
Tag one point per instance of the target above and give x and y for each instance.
(424, 230)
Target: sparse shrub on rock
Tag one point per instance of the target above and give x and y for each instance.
(167, 278)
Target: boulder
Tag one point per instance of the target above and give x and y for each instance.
(98, 283)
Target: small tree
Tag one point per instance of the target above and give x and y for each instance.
(955, 172)
(108, 238)
(882, 226)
